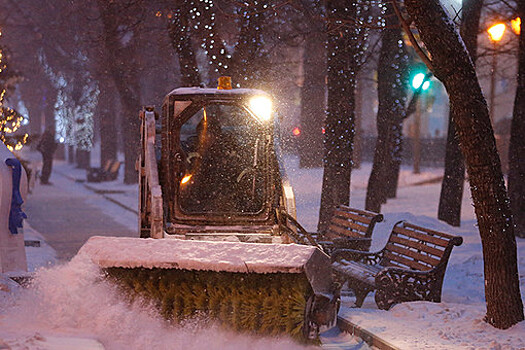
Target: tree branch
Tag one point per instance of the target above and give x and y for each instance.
(413, 41)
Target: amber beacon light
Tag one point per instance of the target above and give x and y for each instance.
(224, 83)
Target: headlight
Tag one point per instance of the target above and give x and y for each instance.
(261, 106)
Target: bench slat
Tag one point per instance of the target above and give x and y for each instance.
(336, 231)
(361, 212)
(436, 233)
(407, 262)
(421, 236)
(352, 216)
(417, 245)
(345, 223)
(418, 257)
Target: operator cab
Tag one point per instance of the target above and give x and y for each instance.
(219, 165)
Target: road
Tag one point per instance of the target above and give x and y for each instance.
(67, 214)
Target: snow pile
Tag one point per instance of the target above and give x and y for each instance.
(424, 325)
(197, 255)
(73, 300)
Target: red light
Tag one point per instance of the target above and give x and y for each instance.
(296, 131)
(323, 130)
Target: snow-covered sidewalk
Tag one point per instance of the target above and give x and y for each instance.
(456, 322)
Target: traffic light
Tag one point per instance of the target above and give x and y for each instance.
(418, 79)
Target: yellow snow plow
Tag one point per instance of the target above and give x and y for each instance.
(217, 218)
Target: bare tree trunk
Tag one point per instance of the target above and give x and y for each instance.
(396, 149)
(313, 96)
(219, 59)
(517, 140)
(32, 95)
(449, 209)
(391, 75)
(119, 44)
(107, 113)
(250, 61)
(339, 125)
(452, 65)
(180, 34)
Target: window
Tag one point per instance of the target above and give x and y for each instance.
(225, 170)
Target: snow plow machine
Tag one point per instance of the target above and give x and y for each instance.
(217, 220)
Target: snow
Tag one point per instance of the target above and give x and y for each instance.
(456, 322)
(197, 255)
(211, 91)
(72, 300)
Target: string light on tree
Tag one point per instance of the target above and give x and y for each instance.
(10, 120)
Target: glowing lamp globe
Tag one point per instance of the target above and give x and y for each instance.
(496, 32)
(515, 24)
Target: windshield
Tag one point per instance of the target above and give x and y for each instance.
(225, 162)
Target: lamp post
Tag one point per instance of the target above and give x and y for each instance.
(418, 82)
(495, 34)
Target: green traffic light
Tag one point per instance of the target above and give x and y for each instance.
(419, 79)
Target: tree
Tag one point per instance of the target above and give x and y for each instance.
(313, 91)
(30, 43)
(392, 73)
(10, 119)
(452, 65)
(180, 34)
(219, 58)
(517, 141)
(120, 36)
(342, 47)
(449, 209)
(250, 64)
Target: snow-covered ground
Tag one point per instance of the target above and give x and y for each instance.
(67, 300)
(456, 322)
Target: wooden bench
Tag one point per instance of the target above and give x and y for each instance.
(410, 267)
(107, 173)
(349, 228)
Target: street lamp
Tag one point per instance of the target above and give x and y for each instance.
(515, 24)
(495, 34)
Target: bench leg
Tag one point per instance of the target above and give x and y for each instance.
(384, 300)
(360, 295)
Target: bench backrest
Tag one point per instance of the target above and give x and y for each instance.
(418, 248)
(114, 167)
(107, 165)
(351, 222)
(112, 174)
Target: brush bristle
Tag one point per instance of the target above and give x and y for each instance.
(269, 304)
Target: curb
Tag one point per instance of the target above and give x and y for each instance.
(368, 337)
(97, 191)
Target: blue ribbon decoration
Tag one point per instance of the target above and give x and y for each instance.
(16, 215)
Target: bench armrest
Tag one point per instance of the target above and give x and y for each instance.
(357, 255)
